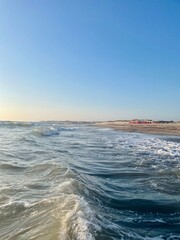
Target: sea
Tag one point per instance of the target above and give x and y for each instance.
(75, 181)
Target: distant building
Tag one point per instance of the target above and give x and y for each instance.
(147, 121)
(162, 121)
(137, 121)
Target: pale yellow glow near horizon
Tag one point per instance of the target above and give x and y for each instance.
(37, 113)
(33, 114)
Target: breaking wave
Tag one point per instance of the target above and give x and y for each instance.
(50, 131)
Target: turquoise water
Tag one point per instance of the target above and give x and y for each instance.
(75, 181)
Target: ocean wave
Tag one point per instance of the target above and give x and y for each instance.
(63, 213)
(63, 217)
(48, 131)
(16, 124)
(79, 220)
(64, 128)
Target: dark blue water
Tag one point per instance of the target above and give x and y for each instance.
(76, 181)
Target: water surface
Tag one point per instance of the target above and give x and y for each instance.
(73, 181)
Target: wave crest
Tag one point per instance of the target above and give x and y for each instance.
(16, 123)
(50, 131)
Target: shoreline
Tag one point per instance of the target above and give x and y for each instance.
(172, 129)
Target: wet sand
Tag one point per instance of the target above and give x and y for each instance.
(163, 128)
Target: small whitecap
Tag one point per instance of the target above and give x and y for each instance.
(46, 131)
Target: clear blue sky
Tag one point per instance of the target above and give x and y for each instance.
(89, 59)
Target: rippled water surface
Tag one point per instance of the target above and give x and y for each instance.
(74, 181)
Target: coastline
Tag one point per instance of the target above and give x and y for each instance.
(159, 129)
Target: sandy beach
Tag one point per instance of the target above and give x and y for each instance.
(163, 128)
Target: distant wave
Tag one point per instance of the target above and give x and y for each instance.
(54, 129)
(64, 128)
(46, 131)
(16, 123)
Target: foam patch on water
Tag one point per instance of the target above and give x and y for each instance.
(159, 147)
(148, 145)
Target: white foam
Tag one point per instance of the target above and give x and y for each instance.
(50, 131)
(64, 128)
(142, 144)
(12, 202)
(79, 220)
